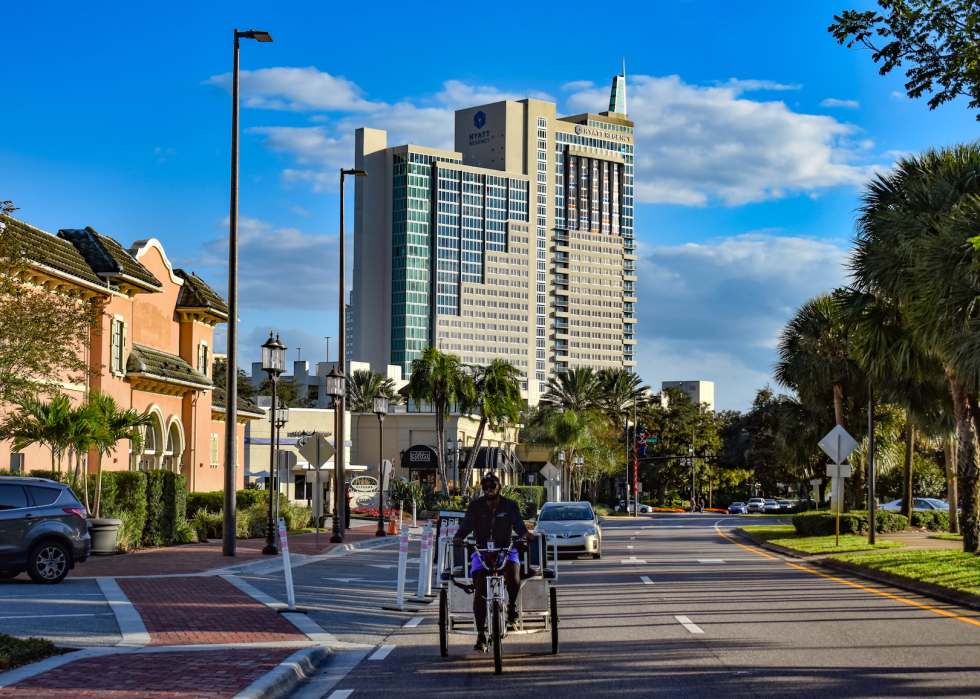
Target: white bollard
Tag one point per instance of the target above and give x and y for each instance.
(441, 554)
(415, 521)
(401, 514)
(422, 554)
(402, 564)
(285, 563)
(428, 562)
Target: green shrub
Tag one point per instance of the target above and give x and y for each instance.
(166, 507)
(296, 516)
(937, 520)
(215, 500)
(602, 510)
(184, 533)
(207, 524)
(124, 497)
(15, 652)
(824, 523)
(153, 529)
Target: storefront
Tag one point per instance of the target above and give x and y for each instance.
(422, 465)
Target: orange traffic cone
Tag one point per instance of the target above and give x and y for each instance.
(392, 529)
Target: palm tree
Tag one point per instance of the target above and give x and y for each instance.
(41, 422)
(439, 379)
(85, 428)
(114, 425)
(814, 353)
(363, 385)
(577, 389)
(497, 399)
(913, 245)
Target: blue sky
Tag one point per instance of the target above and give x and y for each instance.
(755, 132)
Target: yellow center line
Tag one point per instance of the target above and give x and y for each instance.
(913, 603)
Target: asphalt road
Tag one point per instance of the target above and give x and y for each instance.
(715, 619)
(73, 613)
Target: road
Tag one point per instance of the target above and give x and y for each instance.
(715, 619)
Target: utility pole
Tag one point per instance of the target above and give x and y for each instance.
(694, 492)
(872, 500)
(636, 464)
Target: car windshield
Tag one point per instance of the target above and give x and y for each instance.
(566, 513)
(737, 504)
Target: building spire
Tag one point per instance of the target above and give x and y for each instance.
(617, 96)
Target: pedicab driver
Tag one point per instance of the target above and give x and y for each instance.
(492, 518)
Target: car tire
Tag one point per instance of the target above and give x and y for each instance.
(597, 556)
(48, 562)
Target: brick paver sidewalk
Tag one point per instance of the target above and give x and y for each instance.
(191, 610)
(200, 558)
(184, 674)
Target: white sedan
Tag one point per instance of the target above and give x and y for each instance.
(644, 509)
(921, 504)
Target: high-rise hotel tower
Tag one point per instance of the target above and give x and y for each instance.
(519, 244)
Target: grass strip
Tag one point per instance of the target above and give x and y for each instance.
(947, 536)
(956, 570)
(786, 536)
(15, 652)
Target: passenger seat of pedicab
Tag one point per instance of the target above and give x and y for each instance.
(531, 566)
(459, 557)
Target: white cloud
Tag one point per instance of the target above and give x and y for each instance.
(278, 268)
(296, 90)
(846, 104)
(577, 85)
(714, 311)
(297, 209)
(898, 95)
(741, 86)
(457, 95)
(698, 145)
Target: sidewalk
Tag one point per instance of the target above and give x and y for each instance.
(190, 559)
(187, 631)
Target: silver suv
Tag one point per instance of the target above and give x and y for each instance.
(42, 529)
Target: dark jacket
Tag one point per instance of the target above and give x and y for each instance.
(485, 523)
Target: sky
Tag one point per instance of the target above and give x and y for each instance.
(755, 133)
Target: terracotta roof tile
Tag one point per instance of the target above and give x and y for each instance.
(107, 257)
(50, 251)
(197, 294)
(164, 366)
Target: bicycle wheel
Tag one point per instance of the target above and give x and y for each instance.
(495, 622)
(443, 622)
(554, 621)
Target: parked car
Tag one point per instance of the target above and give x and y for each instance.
(738, 508)
(786, 504)
(575, 525)
(769, 506)
(921, 504)
(755, 504)
(42, 529)
(644, 509)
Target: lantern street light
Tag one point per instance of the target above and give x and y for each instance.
(381, 409)
(231, 390)
(336, 387)
(282, 417)
(454, 451)
(274, 364)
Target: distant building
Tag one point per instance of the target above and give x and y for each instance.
(697, 391)
(316, 382)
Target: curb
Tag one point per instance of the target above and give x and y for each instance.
(943, 594)
(280, 682)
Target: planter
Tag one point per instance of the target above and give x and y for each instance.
(103, 533)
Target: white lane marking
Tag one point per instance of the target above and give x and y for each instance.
(634, 559)
(686, 623)
(647, 580)
(341, 694)
(382, 653)
(379, 565)
(710, 560)
(346, 580)
(53, 616)
(632, 538)
(131, 626)
(629, 547)
(42, 599)
(412, 622)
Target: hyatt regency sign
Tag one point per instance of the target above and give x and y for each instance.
(602, 133)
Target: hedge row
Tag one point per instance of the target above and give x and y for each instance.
(214, 501)
(530, 493)
(937, 520)
(825, 523)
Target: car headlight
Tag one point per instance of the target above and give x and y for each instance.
(591, 531)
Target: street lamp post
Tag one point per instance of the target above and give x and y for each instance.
(381, 409)
(561, 470)
(282, 418)
(231, 387)
(459, 454)
(273, 363)
(340, 474)
(336, 386)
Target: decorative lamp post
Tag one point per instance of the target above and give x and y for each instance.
(459, 454)
(561, 470)
(381, 409)
(336, 384)
(231, 390)
(282, 418)
(274, 364)
(340, 475)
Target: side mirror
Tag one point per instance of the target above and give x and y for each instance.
(600, 520)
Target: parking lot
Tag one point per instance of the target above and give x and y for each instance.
(73, 613)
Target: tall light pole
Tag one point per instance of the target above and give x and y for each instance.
(281, 419)
(274, 364)
(231, 381)
(340, 474)
(381, 409)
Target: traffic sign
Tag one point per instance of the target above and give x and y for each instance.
(287, 459)
(549, 472)
(652, 440)
(316, 450)
(838, 444)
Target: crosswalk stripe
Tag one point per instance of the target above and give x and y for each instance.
(382, 653)
(687, 624)
(341, 694)
(413, 622)
(647, 580)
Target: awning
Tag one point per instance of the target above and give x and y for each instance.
(305, 466)
(256, 474)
